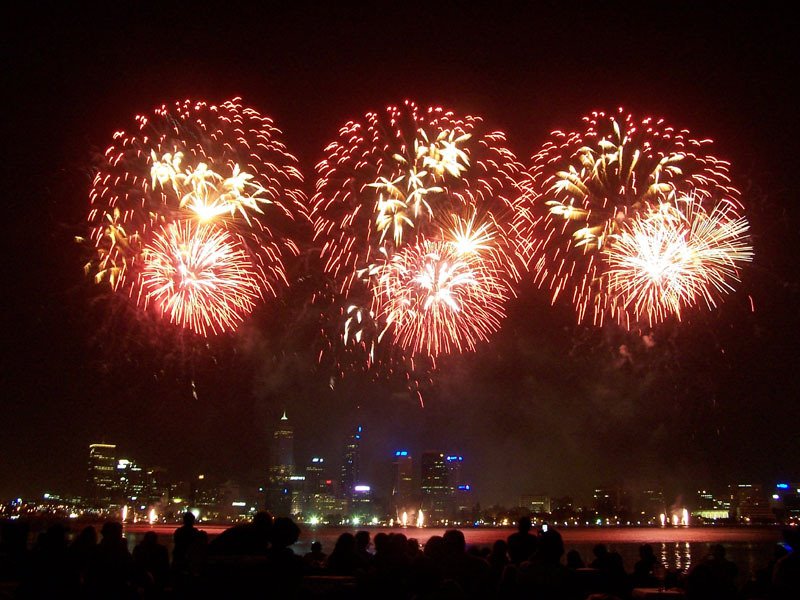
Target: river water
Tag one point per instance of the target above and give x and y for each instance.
(676, 547)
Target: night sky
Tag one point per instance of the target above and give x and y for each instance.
(547, 406)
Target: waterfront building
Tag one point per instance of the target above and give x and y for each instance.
(750, 504)
(281, 469)
(612, 502)
(102, 477)
(320, 501)
(134, 485)
(351, 464)
(537, 504)
(650, 505)
(785, 502)
(436, 490)
(402, 484)
(206, 497)
(362, 504)
(463, 502)
(315, 476)
(710, 507)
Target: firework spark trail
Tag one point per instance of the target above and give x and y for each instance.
(437, 299)
(585, 190)
(672, 257)
(223, 166)
(199, 277)
(414, 212)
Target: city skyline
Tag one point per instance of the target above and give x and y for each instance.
(434, 482)
(546, 404)
(436, 495)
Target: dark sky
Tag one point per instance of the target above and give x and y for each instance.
(547, 406)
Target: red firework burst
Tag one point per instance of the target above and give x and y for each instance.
(222, 166)
(589, 187)
(397, 189)
(199, 277)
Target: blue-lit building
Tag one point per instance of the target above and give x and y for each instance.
(402, 484)
(351, 464)
(437, 492)
(785, 502)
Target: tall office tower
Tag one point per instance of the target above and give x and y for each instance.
(133, 483)
(436, 490)
(454, 475)
(612, 502)
(455, 481)
(102, 476)
(281, 469)
(351, 464)
(402, 484)
(750, 503)
(315, 476)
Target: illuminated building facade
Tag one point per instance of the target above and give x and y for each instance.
(320, 500)
(102, 476)
(351, 463)
(402, 483)
(436, 490)
(612, 502)
(538, 504)
(281, 469)
(750, 503)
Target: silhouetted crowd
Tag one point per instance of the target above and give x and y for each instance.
(255, 560)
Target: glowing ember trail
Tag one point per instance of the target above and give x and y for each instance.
(437, 299)
(199, 277)
(192, 184)
(414, 213)
(633, 220)
(673, 257)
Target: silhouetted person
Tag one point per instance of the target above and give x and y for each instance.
(612, 578)
(498, 561)
(644, 570)
(49, 574)
(285, 568)
(574, 560)
(390, 574)
(151, 565)
(344, 560)
(247, 539)
(362, 548)
(412, 548)
(189, 551)
(109, 573)
(522, 544)
(714, 578)
(315, 560)
(544, 576)
(426, 569)
(786, 574)
(13, 550)
(600, 561)
(470, 573)
(81, 553)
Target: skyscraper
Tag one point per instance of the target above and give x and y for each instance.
(102, 477)
(402, 484)
(436, 490)
(281, 469)
(351, 463)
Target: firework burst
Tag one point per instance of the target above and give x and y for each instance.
(412, 214)
(199, 277)
(599, 197)
(674, 256)
(191, 184)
